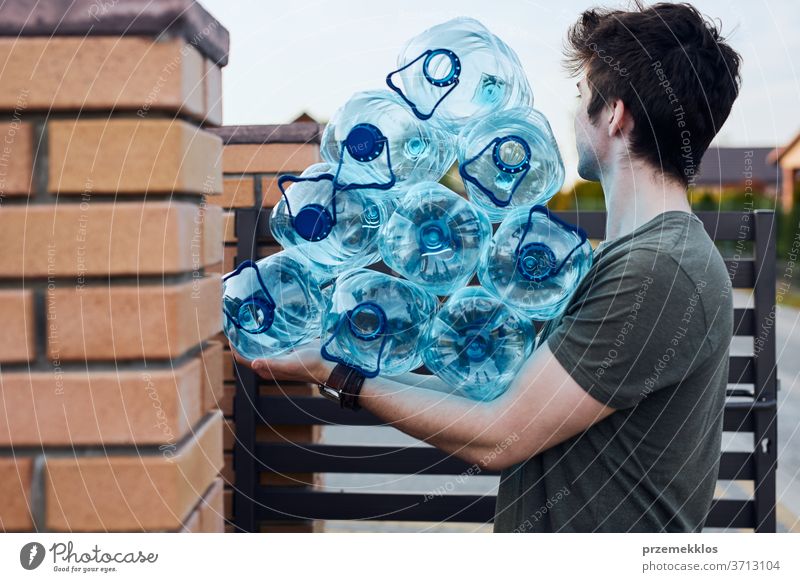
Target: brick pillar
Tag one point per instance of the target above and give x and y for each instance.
(253, 158)
(110, 371)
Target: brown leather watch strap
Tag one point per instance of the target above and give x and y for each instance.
(349, 382)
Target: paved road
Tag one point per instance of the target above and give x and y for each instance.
(788, 347)
(788, 486)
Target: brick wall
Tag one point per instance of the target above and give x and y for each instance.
(253, 157)
(110, 363)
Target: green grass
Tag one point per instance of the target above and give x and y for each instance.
(791, 299)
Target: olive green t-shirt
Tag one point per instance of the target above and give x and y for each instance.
(646, 332)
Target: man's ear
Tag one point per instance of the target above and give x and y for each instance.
(617, 118)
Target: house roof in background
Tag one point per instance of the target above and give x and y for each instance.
(296, 132)
(728, 165)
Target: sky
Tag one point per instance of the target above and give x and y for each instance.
(294, 56)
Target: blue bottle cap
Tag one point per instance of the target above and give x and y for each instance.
(313, 222)
(365, 142)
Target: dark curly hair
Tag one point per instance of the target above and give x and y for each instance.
(670, 66)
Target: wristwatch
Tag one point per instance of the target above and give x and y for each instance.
(343, 386)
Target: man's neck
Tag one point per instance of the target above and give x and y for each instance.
(635, 194)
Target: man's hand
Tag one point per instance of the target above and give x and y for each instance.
(305, 364)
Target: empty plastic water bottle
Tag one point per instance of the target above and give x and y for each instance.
(535, 261)
(374, 323)
(476, 343)
(509, 159)
(435, 238)
(336, 230)
(457, 71)
(272, 305)
(374, 141)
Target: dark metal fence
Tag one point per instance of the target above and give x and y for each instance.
(750, 408)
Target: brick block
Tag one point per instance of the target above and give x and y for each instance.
(102, 238)
(16, 156)
(132, 322)
(213, 227)
(214, 386)
(226, 404)
(215, 269)
(16, 474)
(153, 492)
(268, 158)
(102, 74)
(208, 515)
(212, 83)
(132, 156)
(236, 193)
(228, 258)
(185, 19)
(271, 194)
(229, 227)
(17, 335)
(154, 406)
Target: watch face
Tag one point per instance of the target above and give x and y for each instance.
(330, 393)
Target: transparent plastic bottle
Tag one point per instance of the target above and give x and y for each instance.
(477, 344)
(435, 238)
(374, 323)
(272, 305)
(458, 71)
(374, 141)
(509, 159)
(535, 261)
(336, 230)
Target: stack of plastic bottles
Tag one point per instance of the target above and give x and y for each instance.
(459, 94)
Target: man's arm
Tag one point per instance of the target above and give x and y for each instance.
(543, 407)
(427, 381)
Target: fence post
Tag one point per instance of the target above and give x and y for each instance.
(765, 433)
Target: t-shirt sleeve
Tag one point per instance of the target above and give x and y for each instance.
(637, 327)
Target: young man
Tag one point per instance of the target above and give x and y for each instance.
(614, 423)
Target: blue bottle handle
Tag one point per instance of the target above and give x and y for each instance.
(522, 168)
(373, 137)
(570, 227)
(452, 79)
(269, 305)
(380, 332)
